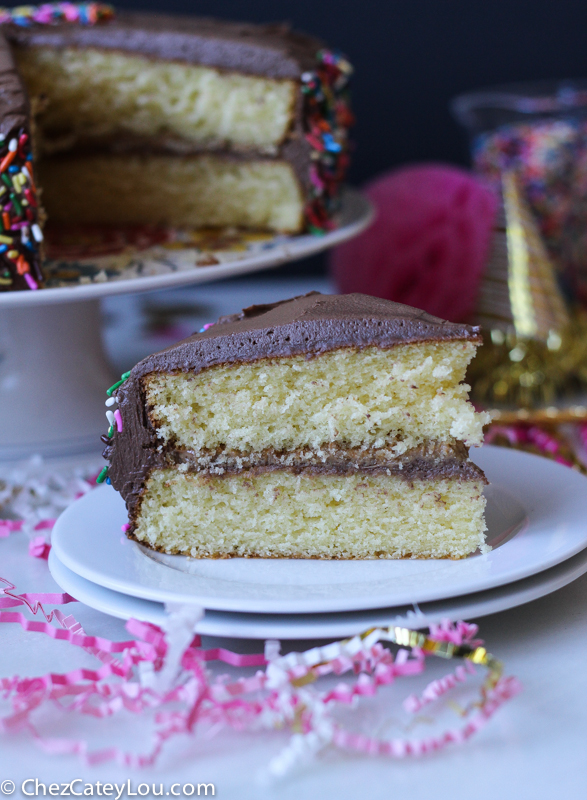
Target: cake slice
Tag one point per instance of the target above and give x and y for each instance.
(321, 427)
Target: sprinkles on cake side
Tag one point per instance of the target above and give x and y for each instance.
(319, 427)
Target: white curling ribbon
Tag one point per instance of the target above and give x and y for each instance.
(34, 491)
(331, 651)
(179, 626)
(291, 660)
(371, 639)
(147, 676)
(276, 675)
(313, 656)
(353, 646)
(301, 747)
(272, 649)
(411, 618)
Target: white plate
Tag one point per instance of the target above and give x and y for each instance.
(160, 268)
(318, 626)
(536, 517)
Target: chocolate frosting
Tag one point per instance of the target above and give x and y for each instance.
(272, 51)
(307, 325)
(428, 461)
(14, 105)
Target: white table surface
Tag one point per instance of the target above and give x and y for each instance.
(533, 748)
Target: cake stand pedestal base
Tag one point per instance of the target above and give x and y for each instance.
(53, 379)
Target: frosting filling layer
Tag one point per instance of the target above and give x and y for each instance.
(428, 461)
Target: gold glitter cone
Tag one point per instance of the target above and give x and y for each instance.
(535, 350)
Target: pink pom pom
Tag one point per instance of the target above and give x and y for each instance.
(429, 244)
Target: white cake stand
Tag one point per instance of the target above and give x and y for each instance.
(53, 370)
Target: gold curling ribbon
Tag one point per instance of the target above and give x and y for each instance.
(535, 349)
(406, 637)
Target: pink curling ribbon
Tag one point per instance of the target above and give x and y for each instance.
(8, 526)
(38, 547)
(532, 437)
(284, 694)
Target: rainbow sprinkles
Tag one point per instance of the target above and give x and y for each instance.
(114, 421)
(20, 232)
(327, 120)
(52, 13)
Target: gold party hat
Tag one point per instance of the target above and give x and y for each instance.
(535, 349)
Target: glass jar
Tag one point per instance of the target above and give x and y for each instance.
(538, 132)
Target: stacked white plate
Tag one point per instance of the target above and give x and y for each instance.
(537, 521)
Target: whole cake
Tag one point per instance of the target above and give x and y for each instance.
(163, 120)
(321, 427)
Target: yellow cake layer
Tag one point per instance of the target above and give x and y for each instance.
(404, 395)
(182, 191)
(281, 515)
(95, 94)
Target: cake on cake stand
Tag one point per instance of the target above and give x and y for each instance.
(53, 369)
